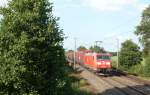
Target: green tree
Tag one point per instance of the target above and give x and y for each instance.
(143, 30)
(129, 54)
(31, 52)
(81, 48)
(113, 53)
(97, 49)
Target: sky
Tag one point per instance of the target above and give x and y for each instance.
(98, 20)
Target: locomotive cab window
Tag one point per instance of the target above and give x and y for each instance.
(103, 57)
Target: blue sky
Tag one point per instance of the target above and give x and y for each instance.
(102, 20)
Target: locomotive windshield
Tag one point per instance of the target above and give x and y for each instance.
(103, 57)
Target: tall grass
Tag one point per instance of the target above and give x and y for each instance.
(141, 69)
(147, 66)
(114, 61)
(74, 83)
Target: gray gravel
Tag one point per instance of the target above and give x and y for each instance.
(101, 87)
(109, 86)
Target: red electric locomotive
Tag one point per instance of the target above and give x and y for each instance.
(94, 61)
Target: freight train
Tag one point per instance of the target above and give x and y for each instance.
(95, 61)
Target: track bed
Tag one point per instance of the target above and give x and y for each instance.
(114, 84)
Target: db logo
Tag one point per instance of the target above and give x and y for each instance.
(103, 62)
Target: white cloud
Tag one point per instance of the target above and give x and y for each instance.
(3, 2)
(112, 5)
(141, 7)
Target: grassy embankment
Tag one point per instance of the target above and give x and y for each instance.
(78, 84)
(135, 70)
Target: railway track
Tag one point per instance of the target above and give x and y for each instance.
(126, 89)
(121, 86)
(142, 89)
(116, 85)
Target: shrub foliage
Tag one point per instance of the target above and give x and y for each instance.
(147, 65)
(130, 54)
(31, 52)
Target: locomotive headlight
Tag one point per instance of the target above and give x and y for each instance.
(99, 63)
(107, 63)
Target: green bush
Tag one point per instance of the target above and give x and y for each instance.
(31, 52)
(73, 84)
(136, 69)
(129, 55)
(147, 66)
(114, 61)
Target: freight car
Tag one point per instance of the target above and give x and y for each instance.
(95, 61)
